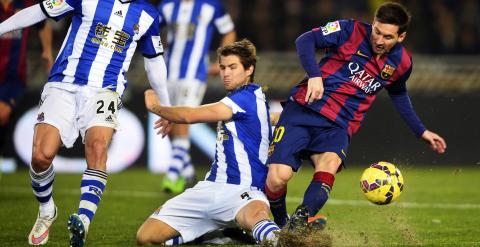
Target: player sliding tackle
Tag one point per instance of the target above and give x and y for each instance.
(231, 194)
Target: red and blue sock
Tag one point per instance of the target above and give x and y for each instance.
(278, 205)
(318, 191)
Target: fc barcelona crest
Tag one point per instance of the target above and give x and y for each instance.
(387, 71)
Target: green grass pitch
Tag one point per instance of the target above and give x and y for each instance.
(440, 206)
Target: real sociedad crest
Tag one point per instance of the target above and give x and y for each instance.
(387, 71)
(136, 28)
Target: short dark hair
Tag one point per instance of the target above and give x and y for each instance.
(394, 13)
(246, 52)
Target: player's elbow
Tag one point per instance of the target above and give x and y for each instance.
(189, 119)
(190, 116)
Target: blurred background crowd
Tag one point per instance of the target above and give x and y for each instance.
(438, 26)
(443, 38)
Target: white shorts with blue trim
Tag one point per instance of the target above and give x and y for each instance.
(206, 207)
(75, 108)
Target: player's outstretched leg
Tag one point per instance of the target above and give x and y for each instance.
(278, 205)
(316, 196)
(42, 184)
(92, 187)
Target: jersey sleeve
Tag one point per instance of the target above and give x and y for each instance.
(223, 20)
(238, 103)
(57, 9)
(29, 3)
(151, 43)
(333, 33)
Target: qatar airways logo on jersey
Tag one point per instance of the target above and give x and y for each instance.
(363, 79)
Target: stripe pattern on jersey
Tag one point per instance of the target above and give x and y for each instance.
(242, 142)
(352, 76)
(191, 25)
(102, 39)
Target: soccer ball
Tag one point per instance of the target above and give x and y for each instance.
(381, 183)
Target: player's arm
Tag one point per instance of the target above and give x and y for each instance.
(22, 19)
(45, 35)
(157, 76)
(228, 38)
(331, 35)
(305, 45)
(399, 96)
(187, 115)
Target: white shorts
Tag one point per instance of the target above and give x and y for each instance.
(186, 92)
(206, 207)
(73, 108)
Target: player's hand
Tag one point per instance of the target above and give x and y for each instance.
(5, 112)
(151, 100)
(436, 142)
(314, 90)
(214, 69)
(163, 127)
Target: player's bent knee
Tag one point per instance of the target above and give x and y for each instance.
(155, 232)
(142, 239)
(252, 213)
(146, 237)
(41, 160)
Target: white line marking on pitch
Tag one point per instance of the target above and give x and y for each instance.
(332, 201)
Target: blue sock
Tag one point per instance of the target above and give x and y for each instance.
(92, 187)
(278, 206)
(318, 191)
(265, 230)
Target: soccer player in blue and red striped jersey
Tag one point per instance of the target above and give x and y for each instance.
(329, 105)
(13, 66)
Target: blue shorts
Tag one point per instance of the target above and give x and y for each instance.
(302, 132)
(11, 92)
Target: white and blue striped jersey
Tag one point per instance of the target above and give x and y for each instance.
(243, 141)
(191, 24)
(102, 39)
